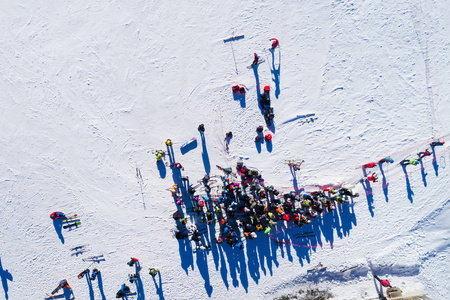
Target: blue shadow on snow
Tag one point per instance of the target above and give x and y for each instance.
(5, 276)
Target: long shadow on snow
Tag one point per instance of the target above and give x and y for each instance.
(68, 294)
(269, 146)
(159, 289)
(276, 72)
(435, 164)
(185, 250)
(202, 264)
(253, 264)
(5, 275)
(408, 185)
(205, 156)
(368, 190)
(58, 228)
(140, 289)
(237, 264)
(89, 282)
(424, 174)
(161, 168)
(258, 146)
(258, 90)
(239, 97)
(385, 184)
(100, 285)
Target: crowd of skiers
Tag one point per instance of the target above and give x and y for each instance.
(246, 205)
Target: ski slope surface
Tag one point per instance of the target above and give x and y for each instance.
(90, 88)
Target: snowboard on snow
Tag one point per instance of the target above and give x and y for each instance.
(188, 142)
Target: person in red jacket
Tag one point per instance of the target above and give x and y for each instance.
(274, 43)
(383, 282)
(373, 177)
(370, 165)
(424, 153)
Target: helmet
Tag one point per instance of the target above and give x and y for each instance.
(256, 54)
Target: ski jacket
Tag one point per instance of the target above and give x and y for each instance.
(274, 43)
(385, 283)
(370, 165)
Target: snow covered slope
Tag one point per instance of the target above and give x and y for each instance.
(89, 88)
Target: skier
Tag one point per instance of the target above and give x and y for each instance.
(201, 128)
(56, 215)
(274, 43)
(258, 139)
(176, 215)
(268, 137)
(177, 166)
(228, 135)
(437, 143)
(413, 162)
(95, 272)
(296, 165)
(370, 165)
(373, 177)
(387, 159)
(132, 261)
(385, 283)
(424, 153)
(255, 60)
(124, 290)
(64, 284)
(153, 271)
(179, 235)
(238, 89)
(196, 237)
(169, 142)
(159, 155)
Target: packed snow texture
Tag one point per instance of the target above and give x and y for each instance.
(89, 88)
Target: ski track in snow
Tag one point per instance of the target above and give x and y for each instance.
(90, 88)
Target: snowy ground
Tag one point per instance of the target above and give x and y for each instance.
(90, 87)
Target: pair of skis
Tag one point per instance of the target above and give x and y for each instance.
(69, 219)
(74, 224)
(317, 268)
(350, 268)
(94, 258)
(258, 63)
